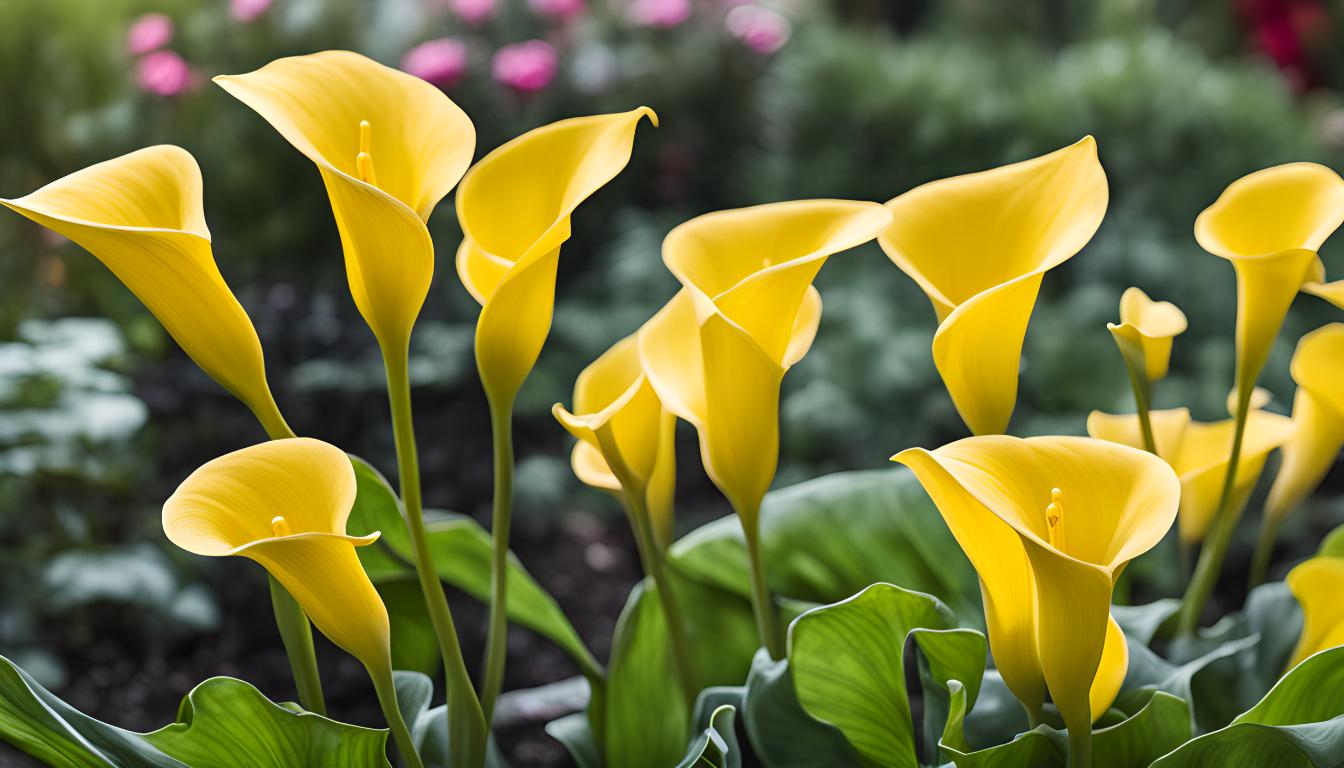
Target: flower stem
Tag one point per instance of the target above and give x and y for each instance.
(496, 638)
(1143, 389)
(1214, 550)
(466, 725)
(1264, 549)
(297, 636)
(762, 603)
(1080, 747)
(385, 686)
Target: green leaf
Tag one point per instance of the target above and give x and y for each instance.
(1300, 722)
(574, 732)
(828, 538)
(1333, 543)
(1207, 682)
(1039, 748)
(429, 725)
(848, 662)
(945, 655)
(1140, 623)
(646, 715)
(716, 746)
(414, 645)
(782, 734)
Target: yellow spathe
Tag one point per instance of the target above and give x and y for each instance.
(284, 504)
(1318, 421)
(1199, 453)
(979, 245)
(1317, 584)
(1049, 523)
(626, 437)
(141, 215)
(389, 146)
(1145, 332)
(514, 207)
(747, 311)
(1270, 224)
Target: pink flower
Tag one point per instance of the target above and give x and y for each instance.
(441, 62)
(760, 29)
(527, 67)
(163, 73)
(559, 10)
(664, 14)
(149, 32)
(473, 11)
(248, 10)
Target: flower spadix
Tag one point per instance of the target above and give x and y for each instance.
(1048, 523)
(626, 436)
(1317, 584)
(389, 146)
(1199, 453)
(141, 215)
(1145, 332)
(514, 207)
(747, 311)
(1270, 224)
(979, 245)
(284, 504)
(1318, 421)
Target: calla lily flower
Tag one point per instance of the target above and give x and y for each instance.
(979, 245)
(626, 436)
(1049, 523)
(389, 146)
(284, 504)
(717, 352)
(141, 215)
(1318, 421)
(1199, 453)
(514, 208)
(1270, 224)
(1317, 584)
(1145, 332)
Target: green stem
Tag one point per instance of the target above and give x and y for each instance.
(1138, 381)
(762, 603)
(466, 725)
(385, 686)
(1080, 747)
(496, 638)
(1264, 549)
(297, 636)
(1033, 716)
(1214, 550)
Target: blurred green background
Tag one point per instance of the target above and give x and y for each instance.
(103, 415)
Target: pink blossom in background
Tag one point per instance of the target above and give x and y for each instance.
(248, 10)
(149, 32)
(664, 14)
(527, 67)
(441, 62)
(163, 73)
(760, 29)
(559, 10)
(473, 11)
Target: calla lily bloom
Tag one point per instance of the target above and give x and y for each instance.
(141, 215)
(626, 436)
(1270, 224)
(1049, 523)
(1317, 584)
(1318, 420)
(514, 208)
(979, 245)
(284, 504)
(1199, 452)
(1145, 332)
(389, 146)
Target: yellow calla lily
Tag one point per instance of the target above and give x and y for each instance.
(1145, 332)
(141, 215)
(1049, 523)
(389, 147)
(1318, 419)
(1270, 224)
(1317, 584)
(514, 208)
(979, 245)
(284, 504)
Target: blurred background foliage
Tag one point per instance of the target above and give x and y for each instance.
(866, 99)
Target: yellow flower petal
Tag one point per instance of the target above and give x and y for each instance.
(389, 146)
(1331, 292)
(141, 215)
(1168, 429)
(1110, 671)
(285, 504)
(978, 246)
(1318, 421)
(1150, 327)
(1317, 584)
(514, 207)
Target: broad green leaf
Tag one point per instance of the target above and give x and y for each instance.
(429, 725)
(716, 746)
(414, 646)
(782, 734)
(1207, 682)
(574, 732)
(945, 655)
(722, 631)
(848, 663)
(1039, 748)
(1140, 623)
(826, 539)
(646, 717)
(997, 716)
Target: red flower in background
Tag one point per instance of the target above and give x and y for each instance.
(1287, 31)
